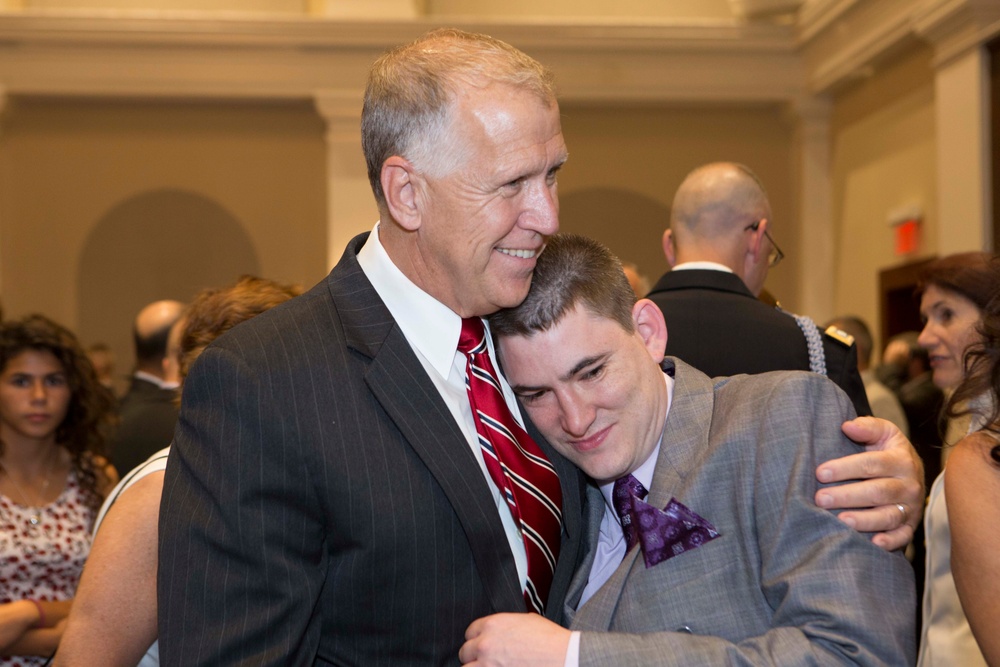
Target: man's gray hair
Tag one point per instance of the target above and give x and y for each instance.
(412, 88)
(573, 270)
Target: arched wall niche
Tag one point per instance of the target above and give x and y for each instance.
(159, 244)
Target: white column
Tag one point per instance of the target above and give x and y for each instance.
(350, 203)
(962, 117)
(815, 197)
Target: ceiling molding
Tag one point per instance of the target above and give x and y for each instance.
(844, 40)
(234, 29)
(152, 54)
(232, 55)
(818, 15)
(956, 26)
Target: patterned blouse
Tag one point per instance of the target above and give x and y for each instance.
(42, 551)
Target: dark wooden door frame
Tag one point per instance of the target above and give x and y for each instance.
(899, 309)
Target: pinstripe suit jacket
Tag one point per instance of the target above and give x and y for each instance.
(321, 506)
(786, 583)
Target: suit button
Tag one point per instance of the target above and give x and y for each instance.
(685, 629)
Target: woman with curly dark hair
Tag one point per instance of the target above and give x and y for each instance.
(972, 482)
(54, 418)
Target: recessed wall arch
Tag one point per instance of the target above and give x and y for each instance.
(159, 244)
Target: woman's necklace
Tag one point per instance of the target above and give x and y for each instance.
(35, 518)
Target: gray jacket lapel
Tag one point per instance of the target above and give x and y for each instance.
(685, 435)
(593, 513)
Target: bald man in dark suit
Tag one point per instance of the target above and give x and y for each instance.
(720, 249)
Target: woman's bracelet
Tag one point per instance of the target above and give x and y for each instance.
(41, 614)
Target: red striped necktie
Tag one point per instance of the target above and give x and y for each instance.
(516, 464)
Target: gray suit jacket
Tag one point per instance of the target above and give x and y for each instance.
(321, 506)
(786, 583)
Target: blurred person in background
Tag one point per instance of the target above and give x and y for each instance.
(103, 360)
(720, 249)
(906, 370)
(148, 408)
(883, 401)
(638, 282)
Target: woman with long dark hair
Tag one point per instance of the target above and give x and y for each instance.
(54, 418)
(955, 293)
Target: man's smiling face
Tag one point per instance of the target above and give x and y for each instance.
(488, 218)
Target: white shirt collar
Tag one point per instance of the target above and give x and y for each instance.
(153, 379)
(431, 327)
(710, 266)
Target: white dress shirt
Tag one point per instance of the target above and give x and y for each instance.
(432, 330)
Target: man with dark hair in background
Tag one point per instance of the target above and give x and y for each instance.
(148, 409)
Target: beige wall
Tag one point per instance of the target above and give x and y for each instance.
(73, 169)
(245, 184)
(625, 165)
(67, 164)
(883, 159)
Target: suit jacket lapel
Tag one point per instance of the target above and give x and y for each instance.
(685, 434)
(599, 611)
(573, 484)
(593, 513)
(398, 381)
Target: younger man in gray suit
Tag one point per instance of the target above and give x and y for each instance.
(727, 560)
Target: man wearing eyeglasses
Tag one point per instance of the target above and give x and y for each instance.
(720, 248)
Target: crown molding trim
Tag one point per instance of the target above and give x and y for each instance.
(178, 54)
(842, 40)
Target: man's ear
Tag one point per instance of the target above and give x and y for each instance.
(669, 251)
(400, 183)
(652, 328)
(756, 242)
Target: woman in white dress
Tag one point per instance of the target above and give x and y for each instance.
(973, 481)
(955, 291)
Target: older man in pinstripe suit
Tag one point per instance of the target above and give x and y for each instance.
(327, 499)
